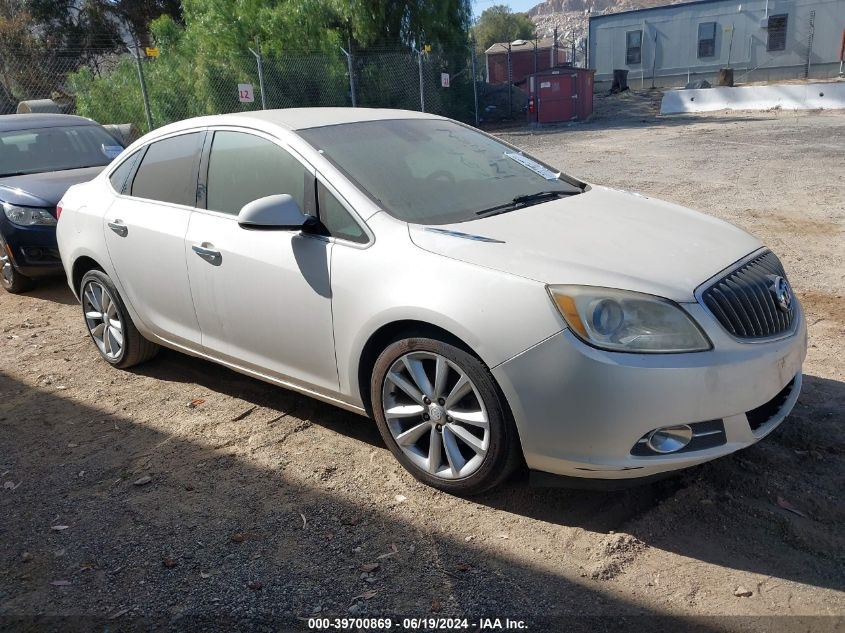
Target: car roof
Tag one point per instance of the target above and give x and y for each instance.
(11, 122)
(296, 118)
(303, 118)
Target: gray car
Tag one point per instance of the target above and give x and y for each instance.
(41, 156)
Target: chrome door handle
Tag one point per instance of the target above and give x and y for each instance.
(208, 254)
(119, 227)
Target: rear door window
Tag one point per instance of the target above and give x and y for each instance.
(244, 167)
(168, 171)
(120, 177)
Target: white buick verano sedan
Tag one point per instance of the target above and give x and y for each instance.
(483, 307)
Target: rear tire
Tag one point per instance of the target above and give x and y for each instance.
(109, 324)
(441, 414)
(11, 280)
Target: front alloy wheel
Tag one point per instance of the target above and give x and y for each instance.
(441, 414)
(439, 422)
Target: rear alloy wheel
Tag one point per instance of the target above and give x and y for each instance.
(10, 278)
(439, 411)
(103, 321)
(109, 324)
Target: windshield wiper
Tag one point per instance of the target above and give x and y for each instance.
(524, 200)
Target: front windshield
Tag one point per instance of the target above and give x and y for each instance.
(55, 149)
(429, 171)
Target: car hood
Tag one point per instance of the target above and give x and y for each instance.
(45, 189)
(603, 237)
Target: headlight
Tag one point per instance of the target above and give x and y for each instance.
(24, 216)
(623, 321)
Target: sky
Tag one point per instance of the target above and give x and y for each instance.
(517, 5)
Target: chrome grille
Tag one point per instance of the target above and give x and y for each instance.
(744, 300)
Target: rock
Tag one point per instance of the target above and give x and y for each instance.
(742, 592)
(26, 557)
(355, 609)
(143, 481)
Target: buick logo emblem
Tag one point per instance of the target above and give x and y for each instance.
(782, 293)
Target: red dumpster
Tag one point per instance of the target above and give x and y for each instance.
(560, 94)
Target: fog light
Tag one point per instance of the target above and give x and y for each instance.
(670, 438)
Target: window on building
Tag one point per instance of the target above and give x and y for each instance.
(633, 47)
(707, 39)
(777, 33)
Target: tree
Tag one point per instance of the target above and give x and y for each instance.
(500, 24)
(97, 25)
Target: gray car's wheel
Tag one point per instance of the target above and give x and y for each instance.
(11, 280)
(109, 324)
(442, 416)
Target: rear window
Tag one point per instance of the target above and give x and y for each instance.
(168, 171)
(38, 150)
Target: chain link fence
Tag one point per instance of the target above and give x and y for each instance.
(149, 92)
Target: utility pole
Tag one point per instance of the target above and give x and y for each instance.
(510, 83)
(260, 71)
(143, 83)
(554, 50)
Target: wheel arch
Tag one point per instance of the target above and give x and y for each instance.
(394, 331)
(82, 265)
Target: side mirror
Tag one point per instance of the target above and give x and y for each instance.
(279, 212)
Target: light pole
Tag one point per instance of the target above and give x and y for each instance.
(523, 43)
(510, 70)
(568, 38)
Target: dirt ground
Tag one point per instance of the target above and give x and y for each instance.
(263, 508)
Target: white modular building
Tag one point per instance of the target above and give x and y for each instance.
(761, 40)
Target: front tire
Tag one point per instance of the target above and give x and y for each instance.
(443, 417)
(11, 280)
(109, 324)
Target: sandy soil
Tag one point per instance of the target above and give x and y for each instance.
(263, 507)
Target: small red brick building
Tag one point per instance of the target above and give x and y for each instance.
(526, 59)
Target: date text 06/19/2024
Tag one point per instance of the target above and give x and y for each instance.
(417, 624)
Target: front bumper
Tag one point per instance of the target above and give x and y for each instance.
(581, 411)
(35, 252)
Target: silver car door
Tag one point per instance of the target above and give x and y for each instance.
(145, 231)
(262, 297)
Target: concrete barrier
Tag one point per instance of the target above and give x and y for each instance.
(815, 96)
